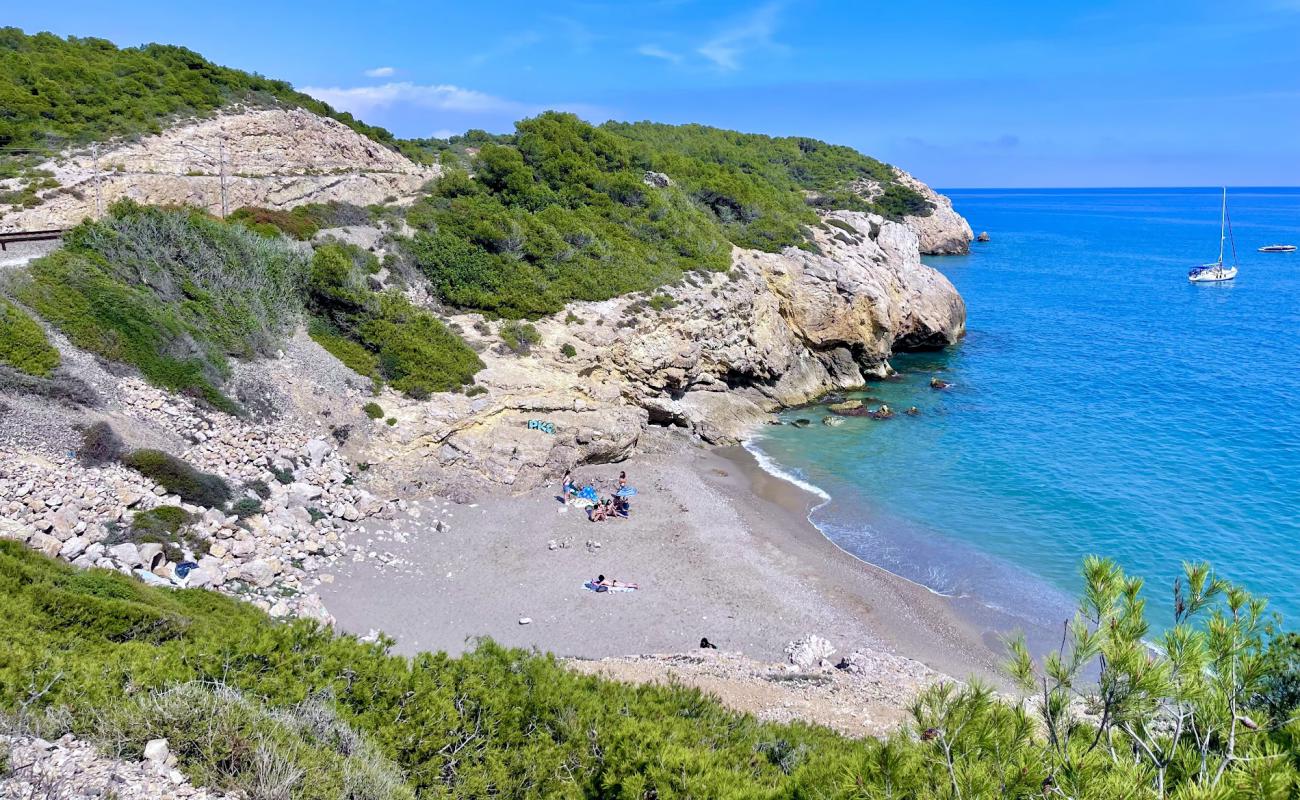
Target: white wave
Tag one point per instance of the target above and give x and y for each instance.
(772, 468)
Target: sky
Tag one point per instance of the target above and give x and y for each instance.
(961, 94)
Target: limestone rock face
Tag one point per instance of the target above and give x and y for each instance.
(943, 232)
(274, 157)
(722, 353)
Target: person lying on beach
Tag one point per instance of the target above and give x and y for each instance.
(610, 583)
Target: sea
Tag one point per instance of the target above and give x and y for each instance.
(1099, 404)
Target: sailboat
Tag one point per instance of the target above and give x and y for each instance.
(1213, 273)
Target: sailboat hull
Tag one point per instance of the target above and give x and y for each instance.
(1213, 275)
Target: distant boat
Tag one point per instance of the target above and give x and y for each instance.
(1277, 248)
(1216, 272)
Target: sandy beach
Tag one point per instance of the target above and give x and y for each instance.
(720, 549)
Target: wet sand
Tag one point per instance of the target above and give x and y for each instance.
(719, 547)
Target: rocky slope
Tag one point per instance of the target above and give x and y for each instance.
(275, 158)
(779, 329)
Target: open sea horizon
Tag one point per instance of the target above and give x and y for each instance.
(1100, 404)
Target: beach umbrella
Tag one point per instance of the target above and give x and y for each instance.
(626, 491)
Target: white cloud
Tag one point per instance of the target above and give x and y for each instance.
(445, 133)
(361, 100)
(379, 72)
(655, 51)
(727, 48)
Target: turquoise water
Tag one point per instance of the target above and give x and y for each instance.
(1100, 404)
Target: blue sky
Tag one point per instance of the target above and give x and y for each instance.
(961, 94)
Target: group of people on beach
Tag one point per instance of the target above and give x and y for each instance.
(613, 506)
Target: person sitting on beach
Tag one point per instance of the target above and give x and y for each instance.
(622, 507)
(600, 511)
(610, 583)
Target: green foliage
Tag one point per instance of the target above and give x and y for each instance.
(383, 336)
(57, 92)
(23, 345)
(178, 477)
(22, 342)
(246, 507)
(173, 292)
(568, 350)
(163, 525)
(760, 186)
(561, 214)
(561, 210)
(301, 222)
(519, 336)
(373, 410)
(220, 680)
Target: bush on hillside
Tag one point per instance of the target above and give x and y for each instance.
(519, 336)
(164, 525)
(383, 336)
(23, 344)
(100, 445)
(373, 410)
(173, 292)
(304, 221)
(179, 478)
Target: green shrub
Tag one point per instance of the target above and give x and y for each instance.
(373, 410)
(173, 292)
(568, 350)
(842, 225)
(519, 336)
(177, 477)
(165, 525)
(383, 336)
(259, 488)
(662, 302)
(100, 445)
(246, 507)
(23, 345)
(391, 421)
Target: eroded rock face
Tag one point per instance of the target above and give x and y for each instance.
(777, 330)
(943, 232)
(276, 158)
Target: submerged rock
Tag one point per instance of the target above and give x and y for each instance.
(832, 421)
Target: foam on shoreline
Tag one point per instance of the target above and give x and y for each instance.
(775, 470)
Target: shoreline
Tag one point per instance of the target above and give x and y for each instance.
(720, 546)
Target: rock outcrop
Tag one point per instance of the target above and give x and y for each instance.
(714, 354)
(943, 232)
(274, 157)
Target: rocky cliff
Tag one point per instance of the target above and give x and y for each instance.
(275, 158)
(943, 232)
(714, 354)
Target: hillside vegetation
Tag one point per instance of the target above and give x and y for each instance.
(56, 92)
(239, 696)
(564, 210)
(177, 292)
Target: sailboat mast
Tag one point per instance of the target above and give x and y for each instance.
(1223, 224)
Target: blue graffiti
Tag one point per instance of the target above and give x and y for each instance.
(540, 425)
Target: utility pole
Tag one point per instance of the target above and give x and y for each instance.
(99, 198)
